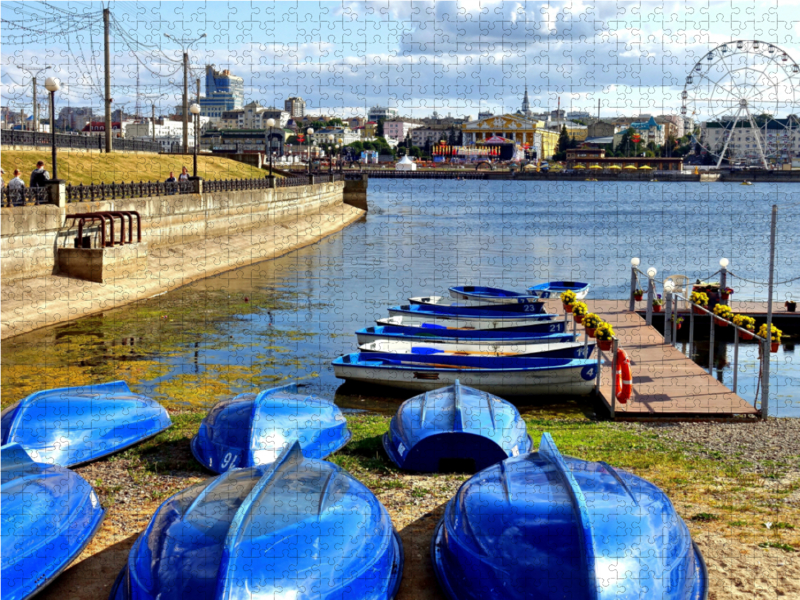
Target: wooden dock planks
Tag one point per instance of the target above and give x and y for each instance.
(666, 384)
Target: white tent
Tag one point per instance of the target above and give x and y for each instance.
(406, 164)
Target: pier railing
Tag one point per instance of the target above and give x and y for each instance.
(671, 318)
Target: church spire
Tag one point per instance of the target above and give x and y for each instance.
(526, 105)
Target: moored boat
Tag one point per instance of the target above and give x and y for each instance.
(567, 528)
(49, 515)
(468, 302)
(496, 375)
(491, 295)
(551, 331)
(553, 289)
(468, 324)
(299, 528)
(75, 425)
(455, 427)
(561, 349)
(253, 429)
(480, 311)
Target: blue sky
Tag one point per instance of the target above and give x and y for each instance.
(453, 57)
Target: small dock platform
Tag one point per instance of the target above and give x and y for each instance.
(666, 384)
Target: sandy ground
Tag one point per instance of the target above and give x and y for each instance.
(737, 571)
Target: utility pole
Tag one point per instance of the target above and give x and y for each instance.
(185, 45)
(107, 52)
(33, 71)
(197, 127)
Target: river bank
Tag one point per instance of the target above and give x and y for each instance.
(725, 502)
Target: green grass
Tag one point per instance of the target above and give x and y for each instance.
(778, 545)
(82, 167)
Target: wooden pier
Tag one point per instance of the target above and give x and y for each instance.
(666, 384)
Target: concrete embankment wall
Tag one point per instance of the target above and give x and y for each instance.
(31, 234)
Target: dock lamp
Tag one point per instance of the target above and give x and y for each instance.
(651, 272)
(195, 110)
(634, 263)
(310, 132)
(53, 85)
(723, 277)
(270, 124)
(672, 312)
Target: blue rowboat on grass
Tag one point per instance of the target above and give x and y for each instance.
(455, 427)
(49, 514)
(299, 528)
(253, 429)
(545, 526)
(491, 295)
(75, 425)
(496, 375)
(552, 331)
(552, 289)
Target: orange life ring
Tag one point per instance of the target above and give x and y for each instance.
(624, 377)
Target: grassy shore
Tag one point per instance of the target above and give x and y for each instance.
(82, 167)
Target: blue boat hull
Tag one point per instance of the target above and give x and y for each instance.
(551, 332)
(299, 528)
(455, 428)
(567, 528)
(491, 295)
(49, 515)
(72, 426)
(253, 429)
(490, 311)
(555, 288)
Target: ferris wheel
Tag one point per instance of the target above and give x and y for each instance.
(746, 93)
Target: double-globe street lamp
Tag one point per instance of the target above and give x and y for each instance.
(53, 85)
(195, 110)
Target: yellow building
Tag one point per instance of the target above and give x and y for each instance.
(526, 133)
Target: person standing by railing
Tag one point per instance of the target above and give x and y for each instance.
(39, 179)
(16, 190)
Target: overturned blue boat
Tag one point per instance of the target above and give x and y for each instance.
(75, 425)
(299, 528)
(491, 295)
(553, 331)
(455, 427)
(253, 429)
(552, 289)
(544, 526)
(49, 514)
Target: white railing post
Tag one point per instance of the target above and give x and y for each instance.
(651, 294)
(723, 279)
(711, 348)
(634, 263)
(667, 316)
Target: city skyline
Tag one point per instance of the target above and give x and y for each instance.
(346, 58)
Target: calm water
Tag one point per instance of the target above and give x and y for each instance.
(288, 318)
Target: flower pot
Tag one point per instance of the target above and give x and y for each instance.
(746, 336)
(791, 306)
(696, 310)
(657, 307)
(578, 318)
(774, 347)
(678, 326)
(720, 322)
(591, 331)
(568, 307)
(605, 345)
(725, 296)
(638, 297)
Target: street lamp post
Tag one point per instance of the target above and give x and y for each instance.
(195, 109)
(185, 44)
(310, 132)
(53, 85)
(270, 124)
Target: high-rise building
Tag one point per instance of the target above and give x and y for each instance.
(223, 92)
(296, 107)
(376, 113)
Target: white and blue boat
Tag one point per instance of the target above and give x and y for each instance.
(466, 302)
(491, 295)
(549, 332)
(564, 349)
(552, 289)
(456, 427)
(465, 323)
(512, 376)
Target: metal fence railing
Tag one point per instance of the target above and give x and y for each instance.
(11, 137)
(24, 196)
(119, 191)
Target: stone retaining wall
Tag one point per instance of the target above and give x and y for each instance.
(31, 234)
